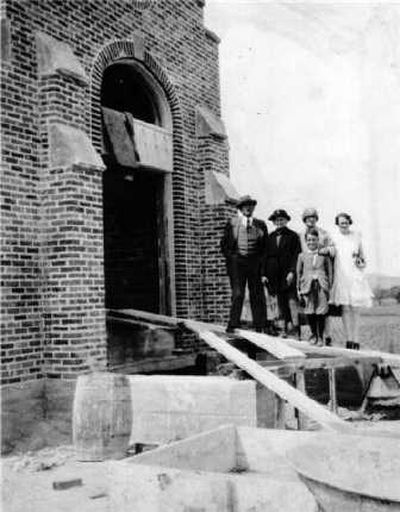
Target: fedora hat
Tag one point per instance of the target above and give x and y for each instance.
(245, 200)
(309, 212)
(279, 213)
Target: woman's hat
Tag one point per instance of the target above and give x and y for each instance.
(279, 213)
(309, 212)
(245, 200)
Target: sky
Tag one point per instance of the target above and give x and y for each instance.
(311, 102)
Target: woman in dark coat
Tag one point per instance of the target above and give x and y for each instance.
(283, 248)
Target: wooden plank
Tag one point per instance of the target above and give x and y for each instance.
(386, 357)
(272, 345)
(305, 348)
(316, 363)
(301, 386)
(146, 316)
(286, 392)
(140, 324)
(332, 390)
(280, 414)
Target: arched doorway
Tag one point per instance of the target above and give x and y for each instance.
(137, 190)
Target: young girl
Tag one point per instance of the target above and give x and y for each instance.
(314, 280)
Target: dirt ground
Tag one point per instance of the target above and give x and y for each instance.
(28, 474)
(27, 482)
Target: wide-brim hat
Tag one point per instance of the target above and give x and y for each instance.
(245, 200)
(309, 212)
(279, 213)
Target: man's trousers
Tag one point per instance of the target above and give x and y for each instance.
(244, 270)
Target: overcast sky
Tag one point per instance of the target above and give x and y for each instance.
(311, 101)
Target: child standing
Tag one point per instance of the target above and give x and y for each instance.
(314, 280)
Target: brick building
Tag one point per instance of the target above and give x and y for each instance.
(114, 184)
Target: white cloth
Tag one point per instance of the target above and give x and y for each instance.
(350, 285)
(246, 221)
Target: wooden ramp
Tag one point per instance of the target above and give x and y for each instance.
(288, 355)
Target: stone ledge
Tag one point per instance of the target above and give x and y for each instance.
(56, 57)
(207, 123)
(219, 189)
(71, 146)
(212, 35)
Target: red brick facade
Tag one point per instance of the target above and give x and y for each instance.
(53, 304)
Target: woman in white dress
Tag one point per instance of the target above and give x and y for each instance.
(350, 288)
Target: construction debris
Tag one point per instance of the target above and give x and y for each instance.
(67, 484)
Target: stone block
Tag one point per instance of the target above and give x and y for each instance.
(219, 188)
(57, 57)
(22, 406)
(201, 452)
(157, 489)
(220, 471)
(71, 146)
(166, 408)
(207, 123)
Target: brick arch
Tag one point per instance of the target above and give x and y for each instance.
(113, 52)
(123, 49)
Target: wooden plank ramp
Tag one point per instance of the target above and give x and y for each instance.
(273, 345)
(296, 398)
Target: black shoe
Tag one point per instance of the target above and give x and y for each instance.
(328, 341)
(294, 332)
(271, 330)
(356, 346)
(349, 344)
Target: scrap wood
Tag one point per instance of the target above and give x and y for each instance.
(62, 485)
(281, 388)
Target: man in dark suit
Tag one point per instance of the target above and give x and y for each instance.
(244, 245)
(283, 249)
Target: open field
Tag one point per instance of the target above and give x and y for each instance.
(379, 329)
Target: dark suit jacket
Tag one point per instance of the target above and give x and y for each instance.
(282, 259)
(229, 241)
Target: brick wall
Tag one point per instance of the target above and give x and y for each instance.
(52, 246)
(213, 156)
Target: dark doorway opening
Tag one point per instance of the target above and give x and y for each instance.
(132, 240)
(125, 89)
(137, 191)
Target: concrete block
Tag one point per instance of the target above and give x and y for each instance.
(57, 57)
(22, 406)
(208, 451)
(71, 146)
(219, 188)
(207, 123)
(206, 472)
(157, 489)
(166, 408)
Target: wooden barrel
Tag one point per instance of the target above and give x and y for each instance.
(102, 416)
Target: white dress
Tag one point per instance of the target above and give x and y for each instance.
(350, 285)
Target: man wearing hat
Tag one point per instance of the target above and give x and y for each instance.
(326, 247)
(244, 244)
(283, 249)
